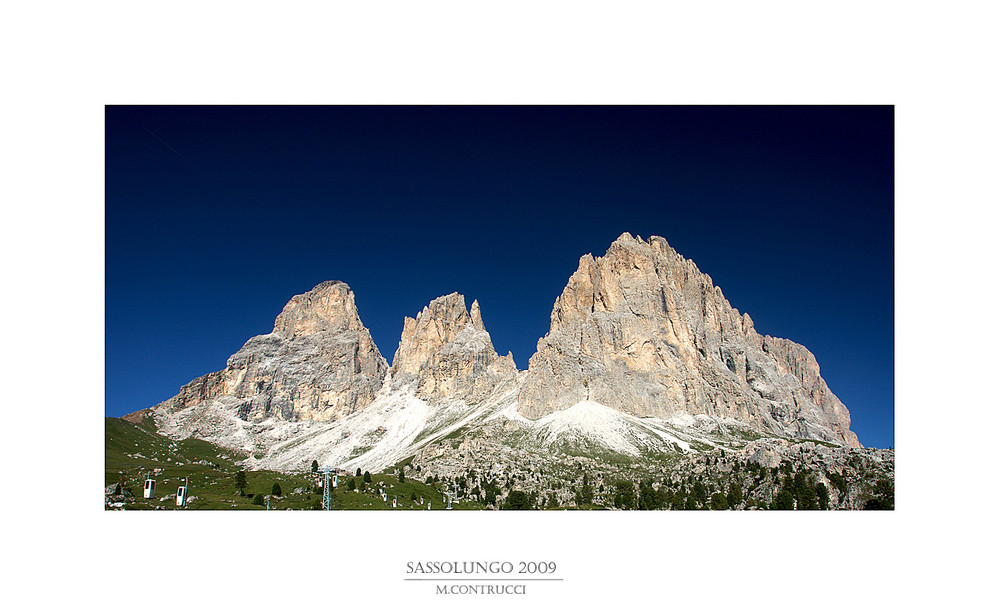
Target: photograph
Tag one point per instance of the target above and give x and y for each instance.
(499, 308)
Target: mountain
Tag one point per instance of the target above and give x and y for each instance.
(447, 353)
(646, 366)
(643, 331)
(319, 363)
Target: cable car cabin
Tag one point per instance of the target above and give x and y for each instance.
(182, 496)
(149, 488)
(333, 478)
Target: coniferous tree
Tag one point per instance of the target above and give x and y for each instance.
(367, 477)
(625, 495)
(799, 484)
(490, 493)
(648, 497)
(837, 481)
(823, 496)
(275, 489)
(807, 498)
(735, 496)
(516, 499)
(699, 491)
(241, 480)
(315, 466)
(677, 501)
(784, 500)
(884, 496)
(719, 501)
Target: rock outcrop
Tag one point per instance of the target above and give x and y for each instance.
(447, 352)
(319, 363)
(643, 331)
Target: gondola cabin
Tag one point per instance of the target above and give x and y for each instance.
(182, 495)
(149, 488)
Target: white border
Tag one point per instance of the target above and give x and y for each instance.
(65, 61)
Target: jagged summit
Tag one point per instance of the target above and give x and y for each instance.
(643, 331)
(447, 352)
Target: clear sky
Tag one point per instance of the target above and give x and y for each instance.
(216, 216)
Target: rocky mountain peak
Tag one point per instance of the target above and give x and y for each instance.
(643, 331)
(319, 363)
(448, 352)
(439, 323)
(329, 306)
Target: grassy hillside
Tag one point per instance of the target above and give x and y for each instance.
(134, 450)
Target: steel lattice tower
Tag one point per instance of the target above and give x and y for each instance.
(326, 486)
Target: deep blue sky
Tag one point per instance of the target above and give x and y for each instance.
(216, 216)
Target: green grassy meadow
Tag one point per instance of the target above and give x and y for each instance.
(133, 451)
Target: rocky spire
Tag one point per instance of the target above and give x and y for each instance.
(477, 318)
(643, 331)
(448, 352)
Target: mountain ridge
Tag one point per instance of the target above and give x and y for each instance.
(638, 332)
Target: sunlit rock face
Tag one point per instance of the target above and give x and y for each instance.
(643, 331)
(447, 352)
(319, 363)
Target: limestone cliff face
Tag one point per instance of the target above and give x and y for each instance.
(319, 363)
(643, 331)
(447, 352)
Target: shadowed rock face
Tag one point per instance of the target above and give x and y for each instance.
(643, 331)
(319, 363)
(447, 352)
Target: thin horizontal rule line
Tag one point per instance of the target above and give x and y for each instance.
(482, 579)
